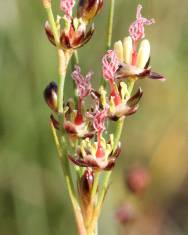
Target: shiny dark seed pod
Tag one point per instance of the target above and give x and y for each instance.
(50, 95)
(86, 185)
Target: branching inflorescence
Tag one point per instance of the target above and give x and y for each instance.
(81, 135)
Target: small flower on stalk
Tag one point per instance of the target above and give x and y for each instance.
(88, 9)
(75, 122)
(120, 102)
(98, 155)
(77, 35)
(141, 68)
(50, 95)
(87, 155)
(77, 125)
(135, 64)
(128, 106)
(73, 37)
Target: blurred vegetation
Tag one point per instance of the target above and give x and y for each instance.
(33, 198)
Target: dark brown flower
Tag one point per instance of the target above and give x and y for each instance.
(126, 107)
(76, 38)
(131, 71)
(72, 38)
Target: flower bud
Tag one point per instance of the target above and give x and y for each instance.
(127, 50)
(85, 186)
(126, 213)
(88, 9)
(138, 180)
(50, 95)
(143, 54)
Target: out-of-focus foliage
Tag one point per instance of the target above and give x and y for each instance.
(33, 198)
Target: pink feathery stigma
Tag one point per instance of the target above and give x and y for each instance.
(67, 6)
(136, 29)
(99, 119)
(82, 83)
(110, 65)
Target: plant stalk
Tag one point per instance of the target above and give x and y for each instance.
(110, 23)
(62, 153)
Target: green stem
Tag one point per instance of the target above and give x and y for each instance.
(53, 25)
(75, 61)
(76, 58)
(99, 204)
(61, 83)
(110, 24)
(62, 153)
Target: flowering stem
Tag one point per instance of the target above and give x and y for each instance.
(62, 72)
(64, 58)
(110, 24)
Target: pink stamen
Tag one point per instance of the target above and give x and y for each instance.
(99, 125)
(110, 65)
(67, 6)
(83, 83)
(136, 29)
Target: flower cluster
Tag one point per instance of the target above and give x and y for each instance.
(120, 66)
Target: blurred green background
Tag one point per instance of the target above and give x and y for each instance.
(33, 197)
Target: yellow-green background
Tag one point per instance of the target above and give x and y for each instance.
(33, 197)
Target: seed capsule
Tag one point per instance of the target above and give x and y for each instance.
(86, 184)
(50, 95)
